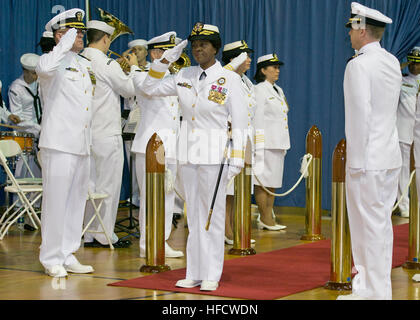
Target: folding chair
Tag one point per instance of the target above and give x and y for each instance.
(100, 197)
(10, 148)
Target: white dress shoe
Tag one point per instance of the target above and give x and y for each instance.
(281, 226)
(352, 296)
(252, 241)
(207, 285)
(416, 278)
(171, 253)
(187, 283)
(261, 225)
(228, 241)
(78, 268)
(56, 271)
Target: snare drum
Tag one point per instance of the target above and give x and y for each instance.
(25, 140)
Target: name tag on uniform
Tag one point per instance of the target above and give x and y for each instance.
(72, 69)
(217, 94)
(184, 84)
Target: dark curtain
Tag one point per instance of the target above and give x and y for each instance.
(308, 35)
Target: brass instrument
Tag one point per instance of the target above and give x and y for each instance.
(120, 29)
(182, 62)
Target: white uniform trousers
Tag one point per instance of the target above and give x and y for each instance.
(205, 249)
(65, 183)
(107, 162)
(404, 176)
(370, 197)
(135, 193)
(169, 200)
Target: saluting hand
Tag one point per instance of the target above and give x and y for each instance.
(173, 54)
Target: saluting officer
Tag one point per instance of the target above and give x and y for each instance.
(107, 157)
(372, 83)
(158, 115)
(406, 117)
(272, 137)
(208, 94)
(67, 84)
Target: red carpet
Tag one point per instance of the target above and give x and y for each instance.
(269, 275)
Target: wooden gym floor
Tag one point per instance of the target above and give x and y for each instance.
(22, 276)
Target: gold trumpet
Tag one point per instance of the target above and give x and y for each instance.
(182, 62)
(120, 29)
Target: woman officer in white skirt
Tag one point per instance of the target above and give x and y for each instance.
(236, 57)
(272, 138)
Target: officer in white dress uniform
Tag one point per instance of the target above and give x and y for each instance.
(24, 98)
(272, 137)
(5, 115)
(208, 94)
(67, 84)
(158, 115)
(372, 84)
(107, 154)
(405, 123)
(236, 57)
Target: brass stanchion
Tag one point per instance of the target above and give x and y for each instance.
(242, 207)
(313, 187)
(413, 261)
(340, 275)
(155, 207)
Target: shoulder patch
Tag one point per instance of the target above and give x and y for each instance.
(83, 57)
(354, 57)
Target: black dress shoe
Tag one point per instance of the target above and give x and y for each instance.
(28, 227)
(119, 244)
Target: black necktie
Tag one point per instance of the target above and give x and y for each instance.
(37, 104)
(203, 76)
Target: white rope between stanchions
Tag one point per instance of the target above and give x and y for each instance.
(405, 191)
(307, 158)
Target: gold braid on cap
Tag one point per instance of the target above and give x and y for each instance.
(275, 59)
(244, 45)
(199, 30)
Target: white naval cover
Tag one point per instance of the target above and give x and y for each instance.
(203, 133)
(270, 120)
(407, 108)
(67, 90)
(372, 83)
(111, 83)
(158, 115)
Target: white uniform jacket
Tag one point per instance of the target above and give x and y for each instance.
(111, 83)
(249, 89)
(158, 115)
(270, 121)
(205, 107)
(406, 114)
(372, 84)
(21, 101)
(67, 85)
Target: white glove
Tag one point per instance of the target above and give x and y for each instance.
(233, 172)
(67, 40)
(236, 62)
(173, 54)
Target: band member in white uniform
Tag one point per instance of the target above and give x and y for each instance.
(406, 117)
(272, 138)
(236, 57)
(107, 154)
(67, 84)
(25, 102)
(24, 98)
(5, 115)
(139, 48)
(208, 95)
(372, 83)
(159, 115)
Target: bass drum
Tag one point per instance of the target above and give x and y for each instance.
(25, 140)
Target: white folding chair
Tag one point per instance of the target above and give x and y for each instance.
(10, 148)
(92, 197)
